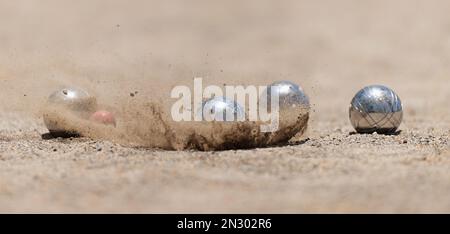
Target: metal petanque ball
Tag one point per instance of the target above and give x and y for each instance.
(221, 109)
(293, 102)
(68, 99)
(376, 108)
(289, 95)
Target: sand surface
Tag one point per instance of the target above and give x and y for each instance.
(332, 48)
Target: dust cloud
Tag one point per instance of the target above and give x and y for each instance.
(131, 54)
(146, 124)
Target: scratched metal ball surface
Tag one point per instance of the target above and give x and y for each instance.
(221, 109)
(71, 99)
(376, 108)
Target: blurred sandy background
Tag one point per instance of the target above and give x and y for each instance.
(331, 48)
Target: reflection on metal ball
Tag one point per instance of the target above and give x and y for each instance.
(293, 106)
(74, 99)
(290, 95)
(221, 109)
(376, 108)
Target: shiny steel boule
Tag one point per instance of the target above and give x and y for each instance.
(221, 109)
(376, 108)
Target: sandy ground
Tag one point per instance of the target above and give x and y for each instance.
(331, 48)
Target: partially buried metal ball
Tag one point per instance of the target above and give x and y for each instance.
(221, 109)
(69, 99)
(376, 108)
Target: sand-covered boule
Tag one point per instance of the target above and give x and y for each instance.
(70, 101)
